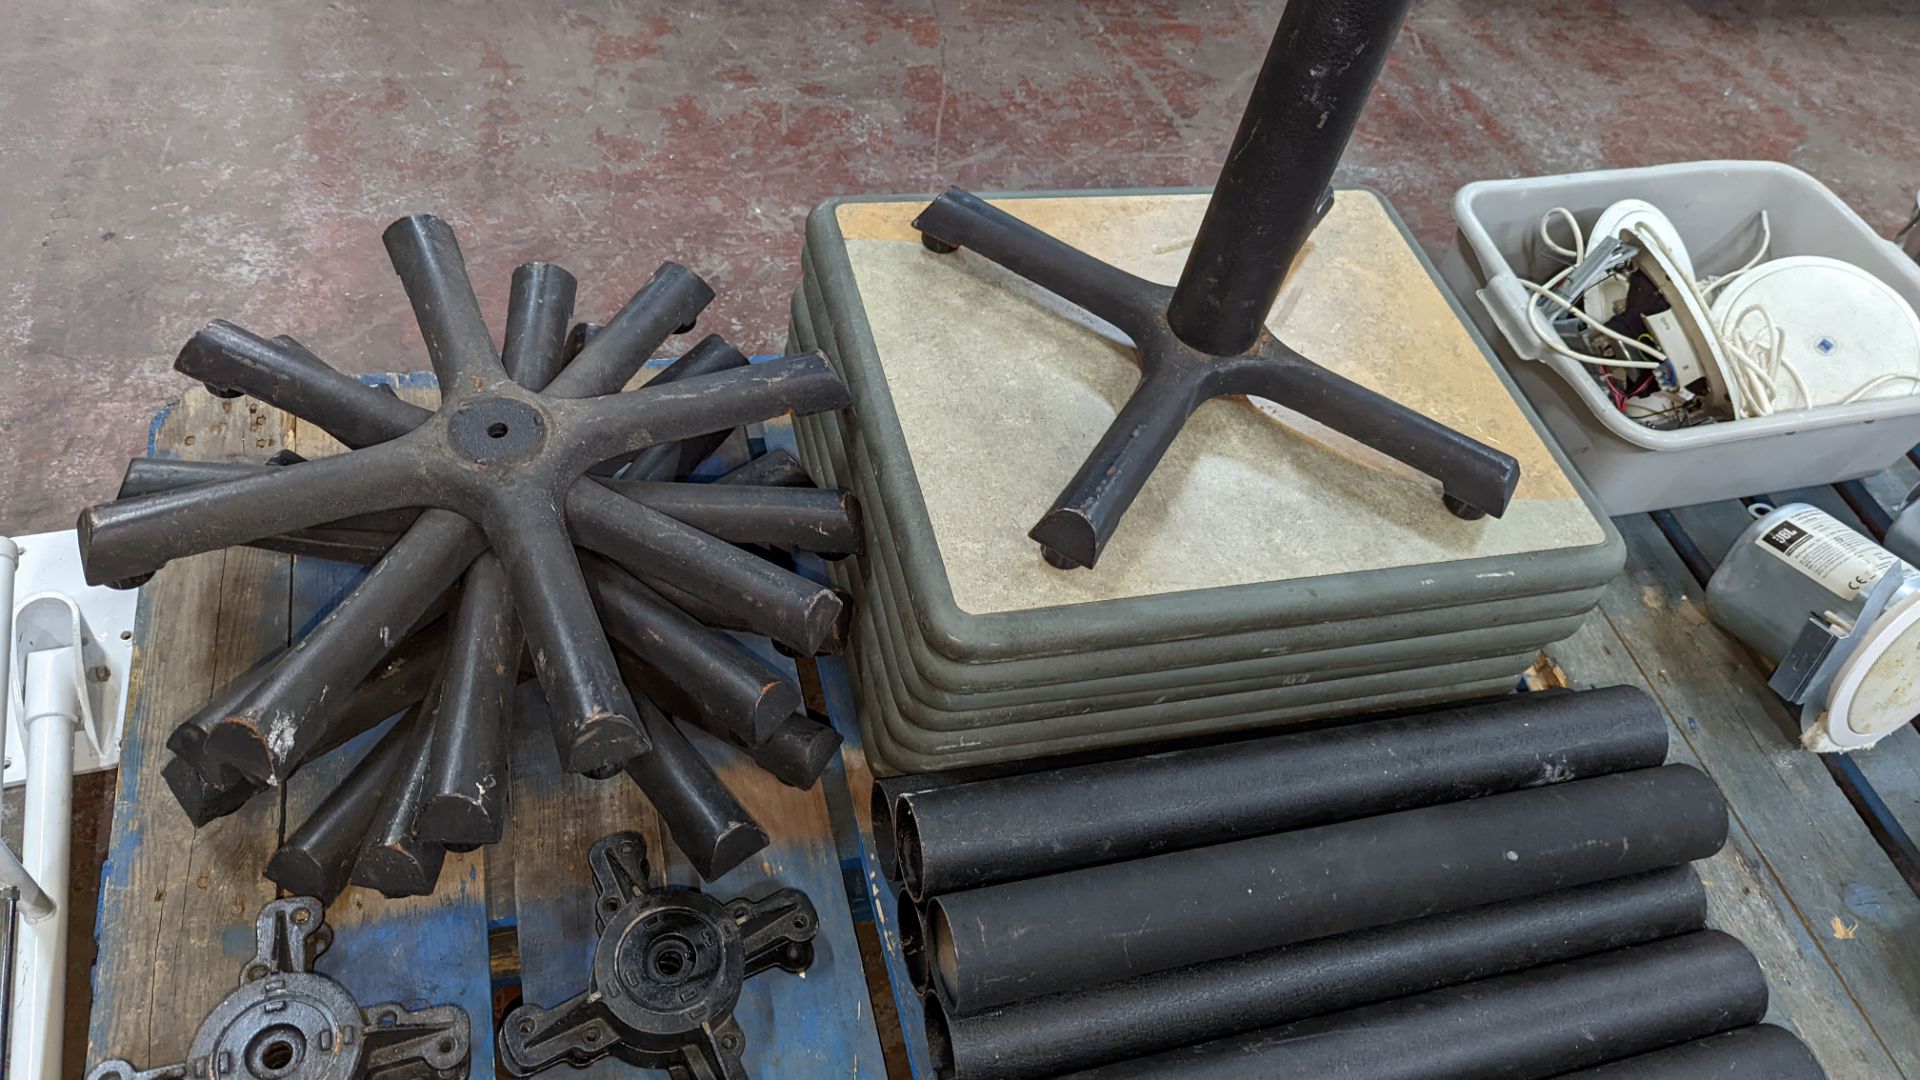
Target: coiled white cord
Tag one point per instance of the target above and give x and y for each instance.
(1544, 291)
(1753, 346)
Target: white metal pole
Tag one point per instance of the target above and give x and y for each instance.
(31, 900)
(51, 716)
(9, 567)
(13, 876)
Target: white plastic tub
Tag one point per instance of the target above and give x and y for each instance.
(1715, 205)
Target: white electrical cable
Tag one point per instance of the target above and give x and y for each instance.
(1755, 359)
(1766, 241)
(1544, 291)
(1594, 324)
(1753, 362)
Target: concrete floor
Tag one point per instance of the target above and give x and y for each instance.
(165, 165)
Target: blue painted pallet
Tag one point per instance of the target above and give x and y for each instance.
(851, 779)
(178, 905)
(852, 774)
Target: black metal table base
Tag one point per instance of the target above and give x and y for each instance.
(1206, 337)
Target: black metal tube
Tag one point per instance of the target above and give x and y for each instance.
(1112, 1022)
(775, 468)
(538, 307)
(393, 859)
(465, 800)
(1324, 59)
(726, 686)
(291, 711)
(427, 258)
(318, 858)
(207, 789)
(595, 722)
(824, 522)
(1537, 1023)
(967, 835)
(798, 751)
(881, 800)
(744, 591)
(1760, 1052)
(231, 360)
(810, 519)
(707, 823)
(663, 462)
(1042, 935)
(914, 947)
(667, 304)
(615, 424)
(959, 218)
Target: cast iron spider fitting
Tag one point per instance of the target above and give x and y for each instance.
(488, 490)
(1206, 337)
(667, 972)
(287, 1020)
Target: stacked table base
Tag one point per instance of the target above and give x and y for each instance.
(1270, 571)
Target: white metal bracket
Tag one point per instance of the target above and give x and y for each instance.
(59, 608)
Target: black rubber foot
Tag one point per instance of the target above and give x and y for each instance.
(1067, 540)
(687, 329)
(222, 392)
(937, 246)
(1057, 560)
(1462, 510)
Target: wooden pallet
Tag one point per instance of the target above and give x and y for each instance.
(178, 905)
(1818, 877)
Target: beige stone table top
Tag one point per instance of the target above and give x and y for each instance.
(1002, 388)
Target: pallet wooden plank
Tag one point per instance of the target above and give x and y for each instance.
(882, 895)
(178, 905)
(1891, 485)
(555, 818)
(419, 949)
(820, 1024)
(1884, 780)
(1743, 896)
(1855, 909)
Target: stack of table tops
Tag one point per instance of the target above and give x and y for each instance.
(1270, 571)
